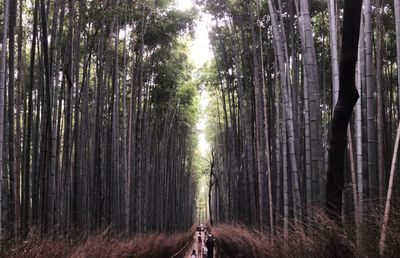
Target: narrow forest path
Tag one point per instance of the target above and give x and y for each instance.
(194, 244)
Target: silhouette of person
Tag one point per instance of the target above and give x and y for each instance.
(210, 246)
(199, 246)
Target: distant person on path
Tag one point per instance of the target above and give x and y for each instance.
(210, 246)
(199, 246)
(204, 251)
(193, 255)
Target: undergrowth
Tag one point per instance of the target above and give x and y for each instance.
(321, 237)
(100, 245)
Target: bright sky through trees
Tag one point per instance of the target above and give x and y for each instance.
(201, 124)
(200, 53)
(200, 48)
(183, 4)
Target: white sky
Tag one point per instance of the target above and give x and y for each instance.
(200, 49)
(183, 4)
(200, 52)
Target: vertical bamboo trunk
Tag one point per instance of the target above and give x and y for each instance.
(58, 168)
(35, 123)
(380, 105)
(66, 159)
(333, 50)
(314, 103)
(389, 195)
(55, 57)
(354, 183)
(251, 166)
(124, 156)
(333, 44)
(48, 176)
(359, 122)
(241, 111)
(258, 122)
(267, 156)
(278, 151)
(11, 121)
(307, 148)
(20, 96)
(84, 134)
(28, 135)
(371, 110)
(359, 145)
(288, 111)
(2, 87)
(115, 129)
(397, 24)
(285, 180)
(76, 147)
(97, 159)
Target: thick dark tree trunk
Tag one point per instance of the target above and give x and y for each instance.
(348, 96)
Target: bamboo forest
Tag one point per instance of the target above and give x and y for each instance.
(199, 128)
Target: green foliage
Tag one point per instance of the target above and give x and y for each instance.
(171, 69)
(218, 7)
(188, 102)
(164, 28)
(389, 33)
(317, 6)
(208, 76)
(161, 4)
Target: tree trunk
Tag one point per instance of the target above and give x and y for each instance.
(333, 50)
(28, 134)
(258, 122)
(358, 138)
(20, 96)
(66, 166)
(397, 22)
(287, 110)
(380, 106)
(371, 113)
(11, 121)
(48, 175)
(124, 156)
(267, 156)
(359, 122)
(2, 86)
(115, 128)
(389, 195)
(348, 96)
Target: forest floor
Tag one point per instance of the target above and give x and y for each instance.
(99, 245)
(321, 238)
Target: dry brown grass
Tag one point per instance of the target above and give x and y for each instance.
(322, 238)
(319, 238)
(100, 245)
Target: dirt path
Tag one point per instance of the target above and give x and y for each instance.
(194, 246)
